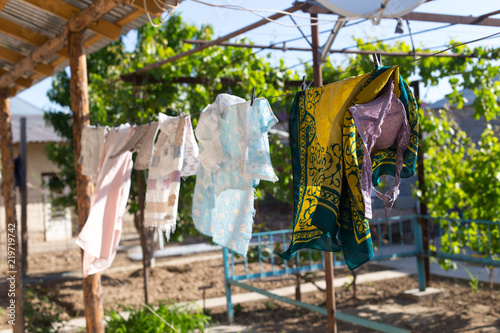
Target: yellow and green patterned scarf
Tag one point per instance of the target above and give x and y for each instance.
(327, 156)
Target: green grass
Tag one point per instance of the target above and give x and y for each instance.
(182, 318)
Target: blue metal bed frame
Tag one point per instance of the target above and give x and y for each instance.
(393, 237)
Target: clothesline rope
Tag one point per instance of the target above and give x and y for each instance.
(165, 7)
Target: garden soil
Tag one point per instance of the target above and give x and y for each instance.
(458, 309)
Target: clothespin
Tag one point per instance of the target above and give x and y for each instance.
(179, 112)
(253, 96)
(304, 86)
(377, 60)
(284, 47)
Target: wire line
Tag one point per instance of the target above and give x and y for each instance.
(451, 47)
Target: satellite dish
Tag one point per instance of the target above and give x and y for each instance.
(371, 8)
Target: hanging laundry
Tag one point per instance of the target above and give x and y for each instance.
(327, 150)
(142, 142)
(175, 155)
(381, 123)
(92, 142)
(234, 157)
(101, 233)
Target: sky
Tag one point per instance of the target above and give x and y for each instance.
(226, 20)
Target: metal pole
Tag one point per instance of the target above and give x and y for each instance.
(24, 199)
(329, 274)
(421, 184)
(229, 303)
(14, 309)
(91, 285)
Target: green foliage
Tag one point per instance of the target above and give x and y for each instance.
(474, 280)
(182, 318)
(462, 180)
(238, 308)
(40, 312)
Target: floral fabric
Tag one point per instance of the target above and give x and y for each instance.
(175, 155)
(236, 133)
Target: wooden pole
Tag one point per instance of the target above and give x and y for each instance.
(421, 185)
(329, 274)
(15, 313)
(24, 198)
(144, 234)
(92, 292)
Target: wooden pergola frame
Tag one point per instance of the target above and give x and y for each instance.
(68, 44)
(71, 44)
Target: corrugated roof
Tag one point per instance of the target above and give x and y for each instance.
(36, 129)
(39, 25)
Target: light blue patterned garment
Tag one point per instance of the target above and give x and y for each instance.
(234, 157)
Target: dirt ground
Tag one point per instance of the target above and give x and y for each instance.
(458, 310)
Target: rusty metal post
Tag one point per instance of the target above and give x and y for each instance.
(92, 291)
(421, 181)
(24, 198)
(15, 312)
(329, 274)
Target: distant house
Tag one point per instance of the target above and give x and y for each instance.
(465, 116)
(46, 223)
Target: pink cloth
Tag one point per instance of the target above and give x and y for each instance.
(100, 236)
(381, 123)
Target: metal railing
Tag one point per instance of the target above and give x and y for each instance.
(472, 241)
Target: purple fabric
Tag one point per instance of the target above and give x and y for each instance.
(380, 123)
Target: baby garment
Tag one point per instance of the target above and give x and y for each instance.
(92, 141)
(381, 123)
(100, 235)
(234, 157)
(327, 154)
(175, 155)
(142, 142)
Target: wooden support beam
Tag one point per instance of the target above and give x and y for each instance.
(454, 19)
(329, 273)
(426, 17)
(131, 17)
(14, 57)
(151, 6)
(66, 11)
(92, 291)
(2, 4)
(92, 40)
(9, 195)
(78, 22)
(22, 33)
(21, 81)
